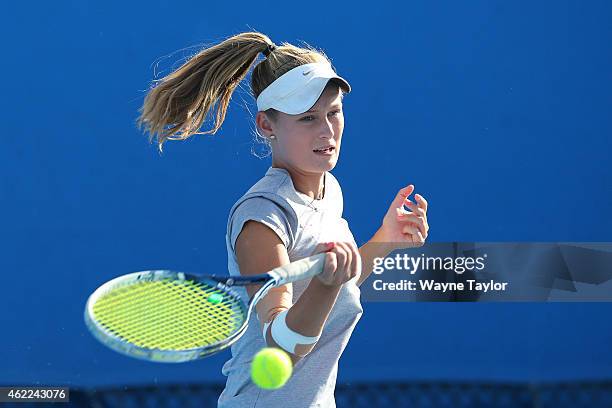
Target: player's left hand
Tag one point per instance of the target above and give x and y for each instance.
(401, 228)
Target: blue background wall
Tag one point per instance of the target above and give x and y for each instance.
(498, 112)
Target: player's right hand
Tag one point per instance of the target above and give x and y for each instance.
(342, 262)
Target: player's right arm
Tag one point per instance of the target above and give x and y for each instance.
(259, 249)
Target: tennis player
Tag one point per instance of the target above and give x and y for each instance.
(293, 211)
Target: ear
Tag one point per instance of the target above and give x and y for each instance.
(264, 123)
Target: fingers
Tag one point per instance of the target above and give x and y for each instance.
(331, 265)
(420, 240)
(415, 233)
(347, 261)
(420, 221)
(352, 267)
(322, 247)
(422, 201)
(342, 263)
(416, 210)
(406, 191)
(410, 229)
(416, 224)
(344, 257)
(402, 195)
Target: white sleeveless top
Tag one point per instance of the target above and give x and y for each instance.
(301, 224)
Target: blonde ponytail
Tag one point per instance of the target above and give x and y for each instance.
(178, 105)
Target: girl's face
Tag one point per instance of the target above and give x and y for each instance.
(297, 136)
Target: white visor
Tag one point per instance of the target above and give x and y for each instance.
(298, 90)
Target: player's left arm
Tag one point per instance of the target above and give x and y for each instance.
(400, 229)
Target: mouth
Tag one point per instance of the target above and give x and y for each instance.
(325, 149)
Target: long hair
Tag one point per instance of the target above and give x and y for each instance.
(177, 106)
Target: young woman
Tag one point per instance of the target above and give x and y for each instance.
(293, 211)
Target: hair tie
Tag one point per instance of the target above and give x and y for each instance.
(267, 51)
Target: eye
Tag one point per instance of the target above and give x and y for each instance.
(310, 118)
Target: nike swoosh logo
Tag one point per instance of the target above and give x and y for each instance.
(306, 73)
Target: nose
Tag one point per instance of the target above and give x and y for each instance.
(327, 130)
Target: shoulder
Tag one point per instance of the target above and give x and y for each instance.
(272, 189)
(334, 183)
(261, 205)
(336, 198)
(266, 211)
(273, 193)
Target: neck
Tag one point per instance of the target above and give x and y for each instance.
(310, 184)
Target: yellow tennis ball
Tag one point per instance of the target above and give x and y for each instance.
(271, 368)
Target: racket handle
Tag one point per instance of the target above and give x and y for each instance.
(298, 270)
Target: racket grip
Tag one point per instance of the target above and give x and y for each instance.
(298, 270)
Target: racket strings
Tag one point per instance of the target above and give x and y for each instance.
(180, 321)
(169, 314)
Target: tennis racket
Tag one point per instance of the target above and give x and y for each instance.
(169, 316)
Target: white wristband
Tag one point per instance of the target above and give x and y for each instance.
(286, 338)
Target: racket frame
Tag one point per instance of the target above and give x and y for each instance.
(224, 284)
(302, 269)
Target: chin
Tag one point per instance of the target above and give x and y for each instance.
(330, 165)
(322, 167)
